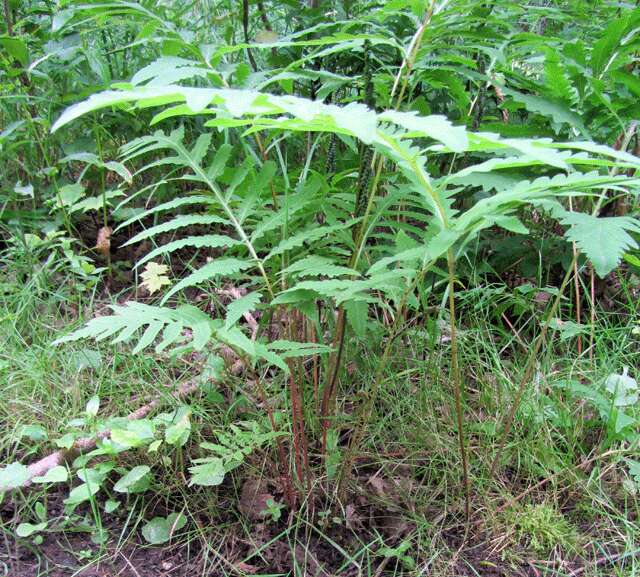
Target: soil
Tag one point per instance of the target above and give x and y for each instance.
(62, 556)
(262, 547)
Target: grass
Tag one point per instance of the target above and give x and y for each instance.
(406, 513)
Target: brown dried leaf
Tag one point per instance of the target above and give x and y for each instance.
(246, 568)
(309, 563)
(351, 517)
(541, 297)
(393, 525)
(379, 485)
(253, 499)
(103, 242)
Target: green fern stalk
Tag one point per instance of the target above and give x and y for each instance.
(457, 383)
(335, 360)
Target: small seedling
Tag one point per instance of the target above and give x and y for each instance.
(273, 510)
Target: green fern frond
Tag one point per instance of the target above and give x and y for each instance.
(603, 240)
(223, 267)
(204, 241)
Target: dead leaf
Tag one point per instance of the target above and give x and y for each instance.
(143, 248)
(379, 485)
(541, 297)
(103, 242)
(351, 517)
(246, 568)
(154, 277)
(309, 563)
(253, 499)
(393, 525)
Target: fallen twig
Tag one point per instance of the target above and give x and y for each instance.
(41, 467)
(603, 561)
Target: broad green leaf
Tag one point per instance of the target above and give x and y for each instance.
(33, 432)
(27, 529)
(178, 431)
(93, 475)
(70, 194)
(603, 240)
(357, 316)
(160, 529)
(13, 475)
(557, 110)
(605, 47)
(93, 405)
(81, 494)
(86, 359)
(16, 47)
(208, 474)
(135, 481)
(66, 441)
(58, 474)
(623, 388)
(135, 435)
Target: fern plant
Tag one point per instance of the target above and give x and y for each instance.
(273, 246)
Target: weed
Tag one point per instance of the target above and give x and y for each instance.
(543, 528)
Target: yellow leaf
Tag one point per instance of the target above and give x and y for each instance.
(155, 277)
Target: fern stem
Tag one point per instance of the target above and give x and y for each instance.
(230, 214)
(410, 59)
(360, 236)
(377, 160)
(457, 382)
(576, 284)
(297, 413)
(285, 477)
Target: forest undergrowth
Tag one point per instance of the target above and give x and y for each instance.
(323, 289)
